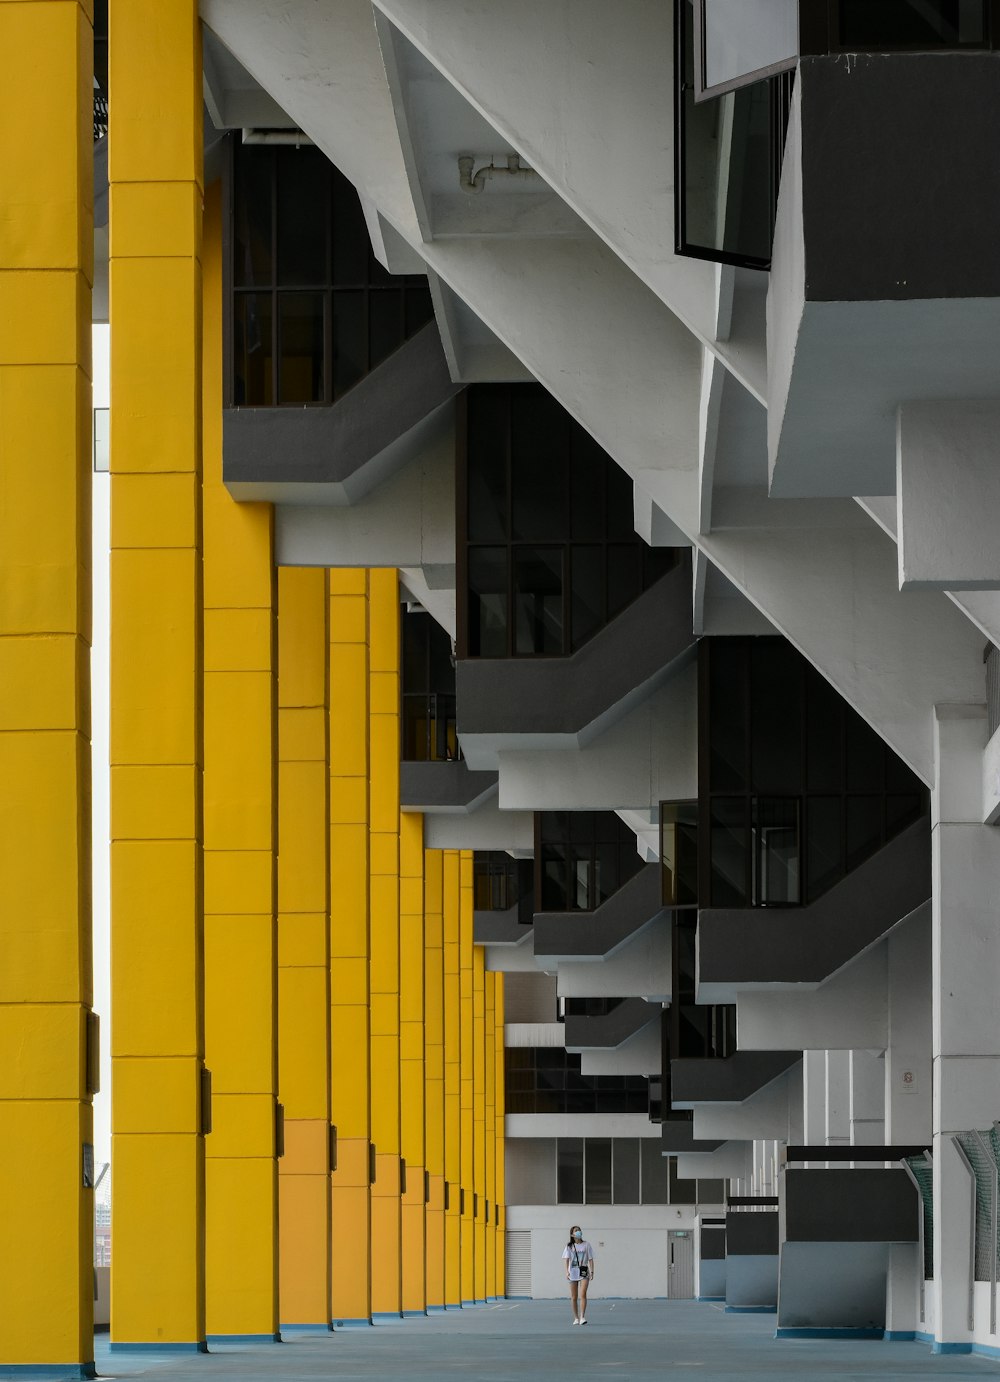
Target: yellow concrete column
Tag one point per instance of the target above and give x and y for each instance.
(411, 1059)
(452, 1084)
(479, 1119)
(499, 1089)
(434, 1030)
(241, 1019)
(303, 948)
(490, 1137)
(46, 1029)
(350, 1084)
(386, 1232)
(467, 1122)
(155, 174)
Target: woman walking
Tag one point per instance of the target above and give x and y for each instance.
(580, 1262)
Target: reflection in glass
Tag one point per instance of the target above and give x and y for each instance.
(625, 1170)
(300, 336)
(728, 832)
(253, 385)
(569, 1170)
(598, 1170)
(538, 600)
(302, 213)
(743, 36)
(654, 1171)
(890, 25)
(488, 601)
(679, 853)
(776, 852)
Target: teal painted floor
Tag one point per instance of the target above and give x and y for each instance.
(518, 1341)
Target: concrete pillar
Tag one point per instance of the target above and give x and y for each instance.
(837, 1128)
(386, 1224)
(501, 1180)
(467, 1159)
(240, 823)
(411, 1064)
(479, 1121)
(867, 1098)
(304, 947)
(156, 190)
(350, 1070)
(434, 1074)
(908, 1054)
(452, 1084)
(48, 1034)
(966, 963)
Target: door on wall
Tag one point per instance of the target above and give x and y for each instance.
(519, 1262)
(680, 1264)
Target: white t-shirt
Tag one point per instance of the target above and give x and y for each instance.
(577, 1252)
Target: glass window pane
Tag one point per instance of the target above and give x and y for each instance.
(252, 256)
(350, 235)
(895, 24)
(776, 717)
(728, 844)
(588, 592)
(488, 602)
(253, 347)
(901, 811)
(303, 190)
(569, 1170)
(488, 429)
(864, 828)
(555, 879)
(825, 843)
(415, 629)
(624, 576)
(300, 365)
(864, 756)
(588, 465)
(742, 36)
(419, 307)
(621, 505)
(385, 324)
(539, 475)
(350, 344)
(824, 735)
(679, 853)
(776, 851)
(598, 1170)
(538, 600)
(727, 691)
(654, 1171)
(625, 1170)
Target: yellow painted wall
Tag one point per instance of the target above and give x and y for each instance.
(479, 1117)
(411, 1063)
(350, 944)
(490, 1148)
(501, 1105)
(467, 1156)
(452, 1082)
(304, 946)
(386, 1232)
(155, 171)
(434, 1076)
(46, 249)
(240, 818)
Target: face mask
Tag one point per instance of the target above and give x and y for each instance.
(578, 1236)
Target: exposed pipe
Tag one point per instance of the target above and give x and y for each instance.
(474, 183)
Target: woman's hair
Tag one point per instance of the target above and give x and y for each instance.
(571, 1232)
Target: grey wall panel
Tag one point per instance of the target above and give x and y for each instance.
(531, 1170)
(850, 1206)
(751, 1232)
(752, 1282)
(832, 1286)
(530, 998)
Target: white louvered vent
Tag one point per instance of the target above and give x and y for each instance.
(519, 1262)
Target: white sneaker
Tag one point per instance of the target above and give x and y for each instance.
(584, 1320)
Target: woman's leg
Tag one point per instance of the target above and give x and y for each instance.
(583, 1298)
(573, 1288)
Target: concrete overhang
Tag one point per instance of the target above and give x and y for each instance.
(443, 787)
(732, 1080)
(677, 1136)
(337, 454)
(744, 950)
(613, 1029)
(599, 934)
(565, 702)
(884, 283)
